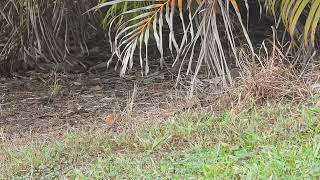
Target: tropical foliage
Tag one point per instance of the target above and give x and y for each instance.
(201, 27)
(52, 31)
(293, 12)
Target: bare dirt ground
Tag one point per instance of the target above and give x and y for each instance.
(42, 103)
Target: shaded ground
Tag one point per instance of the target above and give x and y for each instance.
(50, 102)
(32, 105)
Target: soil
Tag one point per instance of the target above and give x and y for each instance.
(40, 103)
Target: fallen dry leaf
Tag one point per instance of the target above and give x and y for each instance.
(110, 119)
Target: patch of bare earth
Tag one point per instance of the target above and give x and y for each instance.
(56, 102)
(44, 103)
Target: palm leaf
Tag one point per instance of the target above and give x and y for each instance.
(293, 12)
(150, 18)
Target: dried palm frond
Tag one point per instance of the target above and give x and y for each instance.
(37, 31)
(200, 25)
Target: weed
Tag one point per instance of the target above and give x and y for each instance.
(55, 87)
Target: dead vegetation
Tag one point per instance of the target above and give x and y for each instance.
(35, 34)
(275, 80)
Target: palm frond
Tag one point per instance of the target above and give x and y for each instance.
(200, 27)
(294, 12)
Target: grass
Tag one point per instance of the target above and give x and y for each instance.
(271, 142)
(55, 87)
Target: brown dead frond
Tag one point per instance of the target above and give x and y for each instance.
(33, 33)
(272, 82)
(274, 78)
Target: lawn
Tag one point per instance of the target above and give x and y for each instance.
(275, 141)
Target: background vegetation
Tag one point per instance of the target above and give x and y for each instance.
(34, 33)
